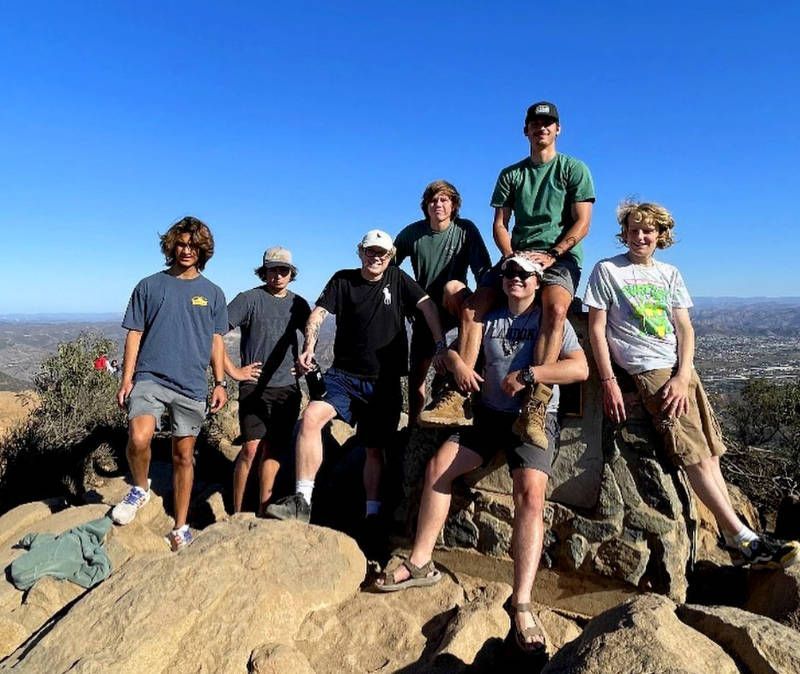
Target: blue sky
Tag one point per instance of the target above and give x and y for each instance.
(307, 125)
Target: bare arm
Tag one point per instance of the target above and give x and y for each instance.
(676, 390)
(570, 368)
(431, 314)
(250, 372)
(310, 335)
(613, 404)
(219, 396)
(500, 233)
(132, 342)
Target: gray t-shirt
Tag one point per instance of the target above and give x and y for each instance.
(508, 343)
(178, 319)
(269, 332)
(639, 301)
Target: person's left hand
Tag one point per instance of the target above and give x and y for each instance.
(675, 394)
(219, 396)
(541, 257)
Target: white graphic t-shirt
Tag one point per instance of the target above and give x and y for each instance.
(639, 301)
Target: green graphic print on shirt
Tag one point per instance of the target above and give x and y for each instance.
(649, 303)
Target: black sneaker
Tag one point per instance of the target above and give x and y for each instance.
(289, 508)
(769, 552)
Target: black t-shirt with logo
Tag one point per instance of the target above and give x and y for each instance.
(370, 321)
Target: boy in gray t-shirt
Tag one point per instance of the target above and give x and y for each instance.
(508, 343)
(639, 319)
(175, 322)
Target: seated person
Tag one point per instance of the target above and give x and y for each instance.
(639, 318)
(509, 336)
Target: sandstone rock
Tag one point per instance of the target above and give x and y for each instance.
(12, 634)
(48, 596)
(475, 624)
(56, 523)
(17, 522)
(559, 629)
(378, 632)
(762, 645)
(259, 580)
(641, 635)
(622, 559)
(278, 659)
(775, 593)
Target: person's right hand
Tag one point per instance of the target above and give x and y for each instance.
(613, 404)
(467, 380)
(305, 362)
(124, 391)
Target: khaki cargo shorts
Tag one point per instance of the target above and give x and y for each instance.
(692, 437)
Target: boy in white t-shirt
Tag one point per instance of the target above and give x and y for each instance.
(639, 318)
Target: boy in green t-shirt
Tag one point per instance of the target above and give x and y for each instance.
(550, 196)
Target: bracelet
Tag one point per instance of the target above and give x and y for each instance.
(611, 378)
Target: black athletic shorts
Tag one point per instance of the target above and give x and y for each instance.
(269, 412)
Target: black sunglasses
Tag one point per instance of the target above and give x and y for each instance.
(515, 272)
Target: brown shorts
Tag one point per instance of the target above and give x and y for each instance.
(692, 437)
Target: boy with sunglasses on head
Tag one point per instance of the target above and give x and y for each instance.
(508, 341)
(640, 330)
(270, 317)
(550, 196)
(370, 355)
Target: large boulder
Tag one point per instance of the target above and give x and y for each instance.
(242, 584)
(762, 645)
(775, 593)
(642, 635)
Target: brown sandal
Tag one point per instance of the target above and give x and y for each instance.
(523, 635)
(420, 576)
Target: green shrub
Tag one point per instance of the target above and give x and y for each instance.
(77, 412)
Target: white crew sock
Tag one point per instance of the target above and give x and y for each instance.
(305, 488)
(746, 535)
(373, 507)
(182, 529)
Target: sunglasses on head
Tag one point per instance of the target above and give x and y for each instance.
(516, 272)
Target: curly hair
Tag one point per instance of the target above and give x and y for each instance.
(653, 215)
(201, 238)
(440, 186)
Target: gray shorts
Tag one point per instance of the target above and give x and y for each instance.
(491, 433)
(565, 273)
(153, 399)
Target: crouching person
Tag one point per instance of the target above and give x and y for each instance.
(509, 337)
(175, 322)
(639, 319)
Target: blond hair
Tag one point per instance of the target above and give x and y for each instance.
(650, 214)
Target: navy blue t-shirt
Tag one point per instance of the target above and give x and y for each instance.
(178, 319)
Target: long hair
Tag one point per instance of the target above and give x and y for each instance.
(201, 239)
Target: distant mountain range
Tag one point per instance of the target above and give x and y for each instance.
(26, 339)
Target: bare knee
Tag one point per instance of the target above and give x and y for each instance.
(139, 440)
(248, 452)
(182, 457)
(436, 471)
(454, 297)
(530, 501)
(315, 417)
(556, 313)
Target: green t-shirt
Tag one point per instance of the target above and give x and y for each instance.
(541, 198)
(439, 257)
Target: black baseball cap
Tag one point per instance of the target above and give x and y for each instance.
(542, 109)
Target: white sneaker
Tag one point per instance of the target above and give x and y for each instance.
(125, 510)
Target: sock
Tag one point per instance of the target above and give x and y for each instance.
(373, 507)
(305, 488)
(745, 535)
(182, 529)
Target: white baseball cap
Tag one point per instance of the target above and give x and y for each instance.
(525, 264)
(377, 238)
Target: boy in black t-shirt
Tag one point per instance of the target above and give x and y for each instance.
(370, 356)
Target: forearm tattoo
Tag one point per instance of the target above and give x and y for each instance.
(570, 241)
(314, 324)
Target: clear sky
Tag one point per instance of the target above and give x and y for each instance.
(307, 123)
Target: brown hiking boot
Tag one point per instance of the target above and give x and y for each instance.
(452, 408)
(529, 425)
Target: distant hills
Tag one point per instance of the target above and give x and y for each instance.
(26, 339)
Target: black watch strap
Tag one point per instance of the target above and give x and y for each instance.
(223, 383)
(554, 253)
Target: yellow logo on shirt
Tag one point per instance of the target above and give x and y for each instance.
(199, 301)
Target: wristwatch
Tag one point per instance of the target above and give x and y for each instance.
(223, 383)
(553, 252)
(441, 345)
(527, 376)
